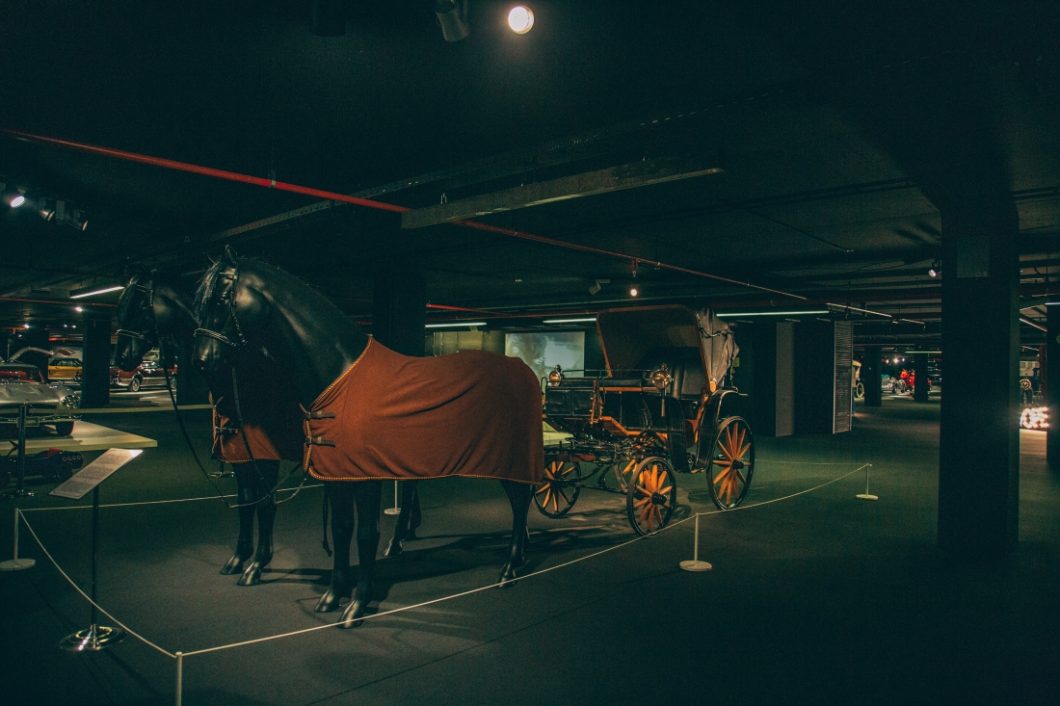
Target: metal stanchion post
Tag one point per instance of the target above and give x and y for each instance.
(20, 490)
(394, 510)
(694, 564)
(15, 563)
(95, 637)
(180, 679)
(867, 495)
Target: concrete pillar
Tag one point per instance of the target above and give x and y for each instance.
(870, 376)
(95, 375)
(1050, 386)
(922, 385)
(399, 311)
(767, 371)
(979, 438)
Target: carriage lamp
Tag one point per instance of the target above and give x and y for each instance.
(661, 377)
(555, 377)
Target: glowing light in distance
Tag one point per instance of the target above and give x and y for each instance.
(94, 292)
(520, 19)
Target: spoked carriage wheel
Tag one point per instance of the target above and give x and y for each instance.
(558, 492)
(652, 495)
(732, 463)
(623, 468)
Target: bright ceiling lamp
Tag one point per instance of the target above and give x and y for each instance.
(458, 324)
(520, 19)
(96, 291)
(577, 320)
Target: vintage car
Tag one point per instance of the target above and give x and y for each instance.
(66, 369)
(147, 374)
(47, 404)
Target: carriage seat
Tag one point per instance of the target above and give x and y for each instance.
(686, 366)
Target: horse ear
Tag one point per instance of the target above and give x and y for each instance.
(230, 255)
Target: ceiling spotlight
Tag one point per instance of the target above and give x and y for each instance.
(520, 19)
(15, 199)
(48, 214)
(452, 19)
(935, 270)
(634, 290)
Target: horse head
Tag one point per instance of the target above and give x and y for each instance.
(137, 325)
(230, 310)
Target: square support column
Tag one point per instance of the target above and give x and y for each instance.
(979, 435)
(399, 311)
(95, 373)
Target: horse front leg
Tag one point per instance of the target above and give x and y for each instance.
(340, 500)
(244, 501)
(367, 495)
(408, 519)
(519, 496)
(265, 505)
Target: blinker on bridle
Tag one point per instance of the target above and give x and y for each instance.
(241, 340)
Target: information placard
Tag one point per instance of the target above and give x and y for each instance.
(78, 485)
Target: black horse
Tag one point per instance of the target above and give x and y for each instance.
(245, 304)
(154, 310)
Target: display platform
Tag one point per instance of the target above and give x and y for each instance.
(89, 437)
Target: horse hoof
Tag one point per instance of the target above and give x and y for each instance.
(352, 616)
(234, 565)
(328, 602)
(395, 548)
(252, 576)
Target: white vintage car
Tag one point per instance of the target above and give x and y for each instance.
(47, 404)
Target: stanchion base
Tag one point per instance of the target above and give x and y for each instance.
(92, 639)
(392, 511)
(867, 496)
(17, 564)
(696, 565)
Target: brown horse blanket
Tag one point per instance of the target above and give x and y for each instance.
(272, 417)
(393, 416)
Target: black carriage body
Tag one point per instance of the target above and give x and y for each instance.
(661, 405)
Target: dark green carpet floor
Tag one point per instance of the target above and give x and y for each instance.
(817, 598)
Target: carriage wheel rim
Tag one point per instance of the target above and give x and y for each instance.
(732, 454)
(652, 498)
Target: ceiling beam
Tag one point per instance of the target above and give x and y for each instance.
(594, 183)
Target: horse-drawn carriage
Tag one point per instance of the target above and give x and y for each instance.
(661, 407)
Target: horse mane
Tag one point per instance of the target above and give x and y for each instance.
(211, 277)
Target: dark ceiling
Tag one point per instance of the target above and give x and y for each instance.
(770, 154)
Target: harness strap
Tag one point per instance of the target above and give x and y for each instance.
(320, 414)
(319, 441)
(207, 333)
(131, 334)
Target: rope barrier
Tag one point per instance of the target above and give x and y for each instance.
(160, 502)
(87, 598)
(179, 656)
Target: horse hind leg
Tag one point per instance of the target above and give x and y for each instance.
(367, 496)
(245, 542)
(519, 496)
(265, 506)
(408, 519)
(340, 499)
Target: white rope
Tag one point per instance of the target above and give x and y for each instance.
(489, 587)
(84, 595)
(156, 502)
